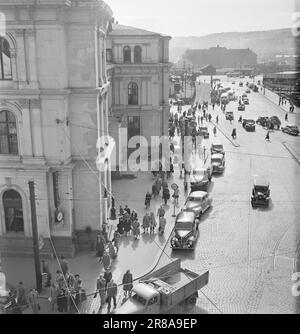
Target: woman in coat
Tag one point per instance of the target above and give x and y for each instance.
(127, 224)
(127, 283)
(162, 224)
(166, 195)
(106, 260)
(112, 251)
(136, 229)
(152, 223)
(146, 223)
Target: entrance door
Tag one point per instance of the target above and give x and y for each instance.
(13, 211)
(134, 129)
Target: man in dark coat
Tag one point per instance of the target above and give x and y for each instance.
(112, 291)
(127, 283)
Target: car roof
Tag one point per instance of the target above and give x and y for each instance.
(217, 156)
(198, 194)
(261, 181)
(186, 216)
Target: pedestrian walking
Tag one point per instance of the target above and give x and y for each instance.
(112, 251)
(116, 240)
(33, 301)
(161, 212)
(146, 223)
(46, 270)
(176, 195)
(127, 209)
(106, 260)
(215, 131)
(286, 117)
(162, 225)
(112, 291)
(148, 200)
(268, 136)
(62, 301)
(64, 265)
(166, 194)
(21, 295)
(108, 277)
(100, 246)
(101, 289)
(136, 229)
(217, 119)
(152, 223)
(127, 284)
(233, 135)
(127, 224)
(53, 296)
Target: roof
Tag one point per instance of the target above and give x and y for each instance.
(185, 216)
(198, 194)
(121, 30)
(145, 291)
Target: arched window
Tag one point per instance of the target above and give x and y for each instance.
(127, 54)
(133, 94)
(5, 60)
(137, 54)
(13, 211)
(8, 133)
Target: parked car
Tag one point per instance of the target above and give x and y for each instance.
(200, 179)
(186, 231)
(198, 202)
(229, 116)
(241, 84)
(218, 163)
(255, 89)
(249, 125)
(248, 91)
(217, 148)
(204, 132)
(246, 100)
(260, 192)
(241, 107)
(291, 129)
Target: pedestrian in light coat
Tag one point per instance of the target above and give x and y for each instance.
(33, 301)
(116, 240)
(53, 296)
(101, 289)
(127, 284)
(106, 260)
(162, 225)
(21, 295)
(146, 223)
(152, 223)
(64, 265)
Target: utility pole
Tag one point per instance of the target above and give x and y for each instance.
(35, 238)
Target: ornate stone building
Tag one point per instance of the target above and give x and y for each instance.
(140, 85)
(54, 104)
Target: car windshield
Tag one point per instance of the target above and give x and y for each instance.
(186, 226)
(261, 189)
(217, 147)
(250, 122)
(194, 199)
(139, 299)
(216, 160)
(199, 172)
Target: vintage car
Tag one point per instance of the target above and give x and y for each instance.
(229, 116)
(200, 179)
(246, 101)
(276, 121)
(263, 121)
(291, 129)
(248, 91)
(218, 163)
(249, 125)
(203, 131)
(217, 148)
(198, 202)
(260, 192)
(255, 89)
(241, 107)
(241, 84)
(186, 231)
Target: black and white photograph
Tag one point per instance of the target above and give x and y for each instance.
(149, 159)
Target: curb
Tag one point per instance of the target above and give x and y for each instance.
(235, 144)
(294, 154)
(269, 99)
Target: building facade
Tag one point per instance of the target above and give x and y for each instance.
(54, 104)
(140, 84)
(221, 57)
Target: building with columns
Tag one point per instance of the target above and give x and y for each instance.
(54, 104)
(140, 84)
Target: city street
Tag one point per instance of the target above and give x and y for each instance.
(250, 252)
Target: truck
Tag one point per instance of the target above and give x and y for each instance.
(163, 289)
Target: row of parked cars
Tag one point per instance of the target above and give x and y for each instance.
(274, 122)
(198, 202)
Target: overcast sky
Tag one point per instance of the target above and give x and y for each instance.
(202, 17)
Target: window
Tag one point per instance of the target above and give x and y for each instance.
(137, 54)
(133, 94)
(109, 55)
(153, 301)
(127, 54)
(5, 60)
(8, 133)
(13, 211)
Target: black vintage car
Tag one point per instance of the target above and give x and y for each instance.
(186, 231)
(263, 121)
(260, 192)
(249, 125)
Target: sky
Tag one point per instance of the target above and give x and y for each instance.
(202, 17)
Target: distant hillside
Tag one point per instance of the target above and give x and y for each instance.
(266, 44)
